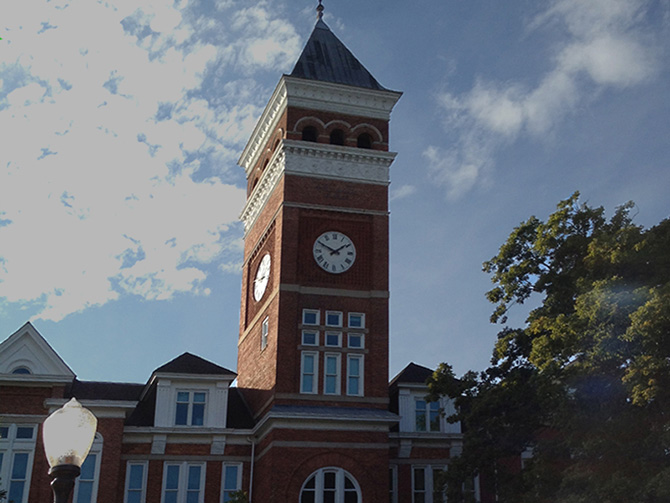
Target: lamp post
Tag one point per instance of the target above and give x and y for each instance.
(68, 435)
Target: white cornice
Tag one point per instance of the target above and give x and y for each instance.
(317, 160)
(315, 95)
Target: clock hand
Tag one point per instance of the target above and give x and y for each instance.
(340, 248)
(331, 250)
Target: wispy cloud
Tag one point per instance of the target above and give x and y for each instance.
(604, 46)
(120, 140)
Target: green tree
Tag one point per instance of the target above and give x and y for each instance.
(239, 497)
(585, 383)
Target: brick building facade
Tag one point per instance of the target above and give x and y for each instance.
(312, 417)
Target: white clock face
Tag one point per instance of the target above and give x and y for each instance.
(262, 277)
(334, 252)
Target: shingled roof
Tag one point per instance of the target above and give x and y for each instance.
(326, 59)
(412, 374)
(187, 363)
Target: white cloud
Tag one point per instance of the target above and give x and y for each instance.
(604, 47)
(402, 192)
(114, 164)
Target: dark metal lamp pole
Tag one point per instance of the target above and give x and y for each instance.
(63, 481)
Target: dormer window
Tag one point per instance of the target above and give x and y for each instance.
(309, 134)
(427, 415)
(190, 408)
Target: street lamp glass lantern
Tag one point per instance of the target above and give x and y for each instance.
(68, 434)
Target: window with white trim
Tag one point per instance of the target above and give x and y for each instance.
(333, 318)
(355, 375)
(356, 341)
(190, 410)
(393, 484)
(310, 316)
(426, 484)
(356, 320)
(330, 485)
(309, 367)
(426, 415)
(86, 485)
(264, 333)
(232, 480)
(17, 450)
(183, 482)
(333, 339)
(310, 338)
(136, 482)
(331, 373)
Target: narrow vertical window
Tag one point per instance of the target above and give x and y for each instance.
(420, 415)
(331, 377)
(18, 478)
(308, 372)
(355, 375)
(309, 133)
(264, 333)
(135, 483)
(232, 480)
(419, 485)
(86, 480)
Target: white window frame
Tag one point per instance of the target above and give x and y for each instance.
(182, 484)
(339, 316)
(361, 374)
(265, 329)
(340, 475)
(314, 373)
(11, 446)
(96, 450)
(427, 414)
(331, 333)
(317, 312)
(238, 482)
(362, 315)
(337, 375)
(428, 478)
(189, 414)
(316, 338)
(393, 484)
(355, 334)
(143, 487)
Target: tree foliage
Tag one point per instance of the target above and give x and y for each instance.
(585, 383)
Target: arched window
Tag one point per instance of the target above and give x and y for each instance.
(337, 137)
(21, 370)
(309, 133)
(330, 485)
(364, 141)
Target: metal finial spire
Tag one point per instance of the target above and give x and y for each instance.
(319, 11)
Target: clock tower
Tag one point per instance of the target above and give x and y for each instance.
(313, 342)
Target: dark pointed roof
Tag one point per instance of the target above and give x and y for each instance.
(326, 59)
(192, 364)
(413, 373)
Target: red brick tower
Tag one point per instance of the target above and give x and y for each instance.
(313, 344)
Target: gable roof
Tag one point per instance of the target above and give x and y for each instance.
(188, 363)
(27, 348)
(327, 59)
(412, 374)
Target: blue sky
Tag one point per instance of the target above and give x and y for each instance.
(121, 127)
